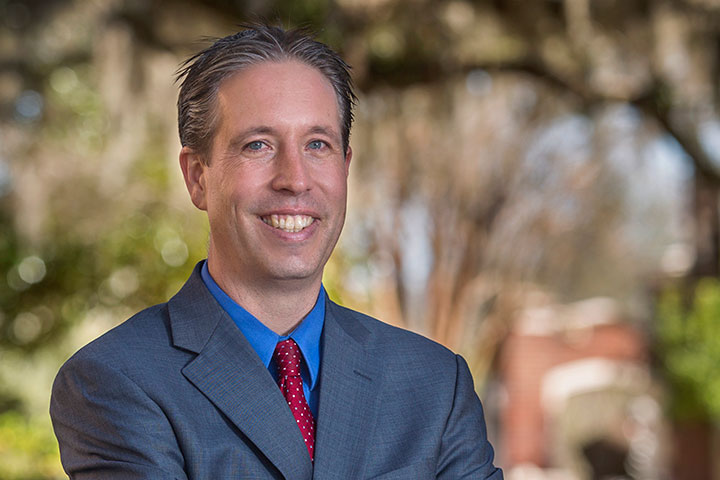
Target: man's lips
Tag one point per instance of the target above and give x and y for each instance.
(288, 223)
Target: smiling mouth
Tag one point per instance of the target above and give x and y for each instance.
(288, 223)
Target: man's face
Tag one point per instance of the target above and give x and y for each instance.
(275, 183)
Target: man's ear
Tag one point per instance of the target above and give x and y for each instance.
(348, 158)
(194, 170)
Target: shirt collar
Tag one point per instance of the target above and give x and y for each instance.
(262, 339)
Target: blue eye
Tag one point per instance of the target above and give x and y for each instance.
(316, 144)
(256, 145)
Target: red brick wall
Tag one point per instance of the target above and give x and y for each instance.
(524, 361)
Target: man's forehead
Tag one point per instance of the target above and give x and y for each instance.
(267, 73)
(271, 93)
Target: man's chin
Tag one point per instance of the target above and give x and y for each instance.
(296, 273)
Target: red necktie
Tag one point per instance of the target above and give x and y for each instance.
(287, 358)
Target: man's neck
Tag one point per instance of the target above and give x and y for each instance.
(280, 305)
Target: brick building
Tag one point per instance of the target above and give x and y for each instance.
(580, 400)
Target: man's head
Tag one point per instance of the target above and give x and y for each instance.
(271, 168)
(203, 73)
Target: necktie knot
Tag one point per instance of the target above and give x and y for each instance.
(287, 356)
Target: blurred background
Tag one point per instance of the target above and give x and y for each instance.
(535, 185)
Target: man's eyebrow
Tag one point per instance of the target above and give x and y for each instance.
(240, 137)
(324, 130)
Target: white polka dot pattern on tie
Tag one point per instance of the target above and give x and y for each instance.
(288, 357)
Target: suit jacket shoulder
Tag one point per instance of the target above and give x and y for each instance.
(141, 334)
(396, 344)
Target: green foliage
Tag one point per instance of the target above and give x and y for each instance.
(28, 449)
(82, 289)
(99, 255)
(689, 337)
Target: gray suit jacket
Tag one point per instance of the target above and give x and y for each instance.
(177, 392)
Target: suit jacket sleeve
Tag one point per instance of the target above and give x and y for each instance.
(107, 426)
(465, 450)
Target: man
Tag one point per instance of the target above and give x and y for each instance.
(250, 371)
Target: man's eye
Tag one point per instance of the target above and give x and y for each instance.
(256, 145)
(316, 144)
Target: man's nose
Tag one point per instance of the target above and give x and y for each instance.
(291, 172)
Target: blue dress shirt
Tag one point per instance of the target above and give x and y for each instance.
(263, 340)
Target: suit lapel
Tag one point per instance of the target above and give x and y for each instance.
(229, 373)
(349, 382)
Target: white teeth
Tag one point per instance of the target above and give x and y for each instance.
(289, 223)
